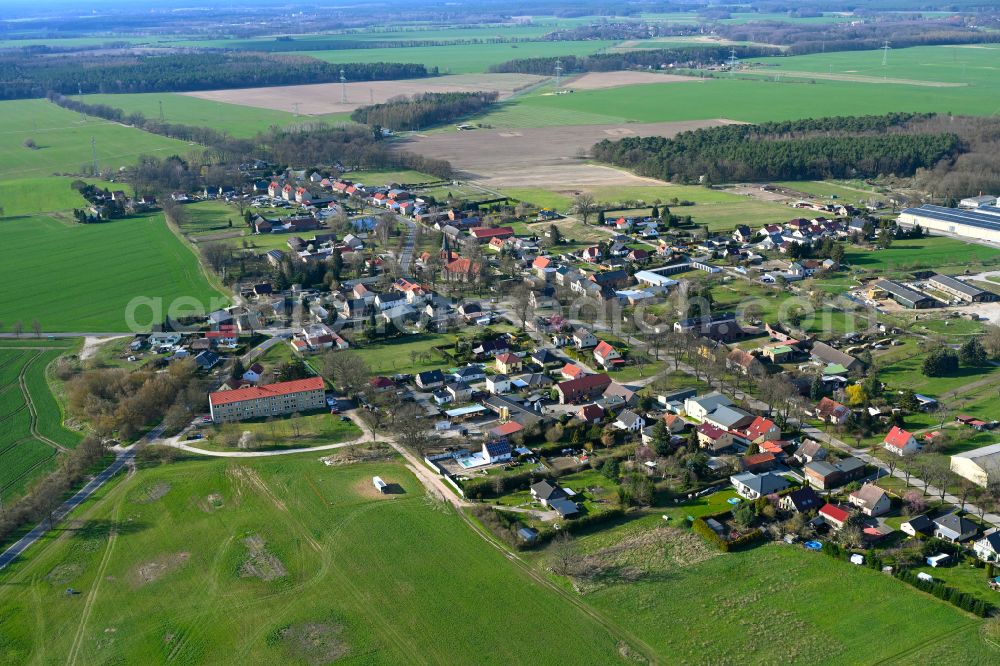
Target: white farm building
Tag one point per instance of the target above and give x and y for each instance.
(982, 223)
(981, 466)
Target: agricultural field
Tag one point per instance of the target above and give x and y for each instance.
(123, 260)
(462, 59)
(281, 560)
(760, 100)
(63, 141)
(29, 435)
(28, 196)
(321, 99)
(236, 119)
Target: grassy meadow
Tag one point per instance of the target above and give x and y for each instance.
(280, 561)
(73, 277)
(63, 140)
(946, 255)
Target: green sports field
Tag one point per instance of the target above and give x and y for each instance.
(281, 561)
(237, 120)
(27, 443)
(73, 277)
(64, 141)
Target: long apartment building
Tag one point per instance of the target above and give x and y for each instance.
(301, 395)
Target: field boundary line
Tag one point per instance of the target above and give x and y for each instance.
(33, 427)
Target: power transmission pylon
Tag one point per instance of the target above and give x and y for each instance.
(343, 87)
(93, 153)
(559, 70)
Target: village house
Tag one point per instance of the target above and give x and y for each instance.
(753, 486)
(301, 395)
(802, 500)
(430, 379)
(629, 421)
(508, 363)
(498, 384)
(834, 516)
(762, 429)
(583, 339)
(871, 500)
(826, 475)
(808, 451)
(987, 548)
(831, 411)
(575, 390)
(714, 439)
(607, 356)
(900, 442)
(592, 413)
(954, 528)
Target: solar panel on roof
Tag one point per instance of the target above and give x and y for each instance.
(967, 217)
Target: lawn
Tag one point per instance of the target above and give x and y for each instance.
(409, 354)
(931, 252)
(24, 457)
(284, 433)
(64, 141)
(781, 604)
(42, 260)
(908, 373)
(281, 560)
(236, 119)
(461, 59)
(854, 193)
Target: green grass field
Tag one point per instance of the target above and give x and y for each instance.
(461, 59)
(935, 252)
(64, 141)
(73, 277)
(237, 120)
(285, 433)
(221, 561)
(782, 604)
(24, 457)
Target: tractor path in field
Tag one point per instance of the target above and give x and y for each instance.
(33, 423)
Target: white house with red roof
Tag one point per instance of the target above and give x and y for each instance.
(288, 193)
(834, 516)
(762, 429)
(607, 355)
(300, 395)
(486, 234)
(572, 371)
(900, 442)
(274, 189)
(592, 254)
(302, 195)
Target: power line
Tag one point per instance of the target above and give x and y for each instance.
(343, 87)
(885, 53)
(161, 110)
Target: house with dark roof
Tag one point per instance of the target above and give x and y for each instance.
(565, 508)
(430, 379)
(918, 526)
(630, 421)
(988, 547)
(955, 528)
(826, 475)
(496, 450)
(713, 438)
(544, 357)
(810, 450)
(753, 486)
(830, 356)
(729, 418)
(545, 491)
(802, 500)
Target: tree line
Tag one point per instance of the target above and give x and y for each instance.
(35, 76)
(286, 44)
(692, 57)
(423, 110)
(842, 147)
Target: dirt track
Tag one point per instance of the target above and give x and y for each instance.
(323, 98)
(550, 157)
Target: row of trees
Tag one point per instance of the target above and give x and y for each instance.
(35, 76)
(690, 57)
(421, 111)
(826, 148)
